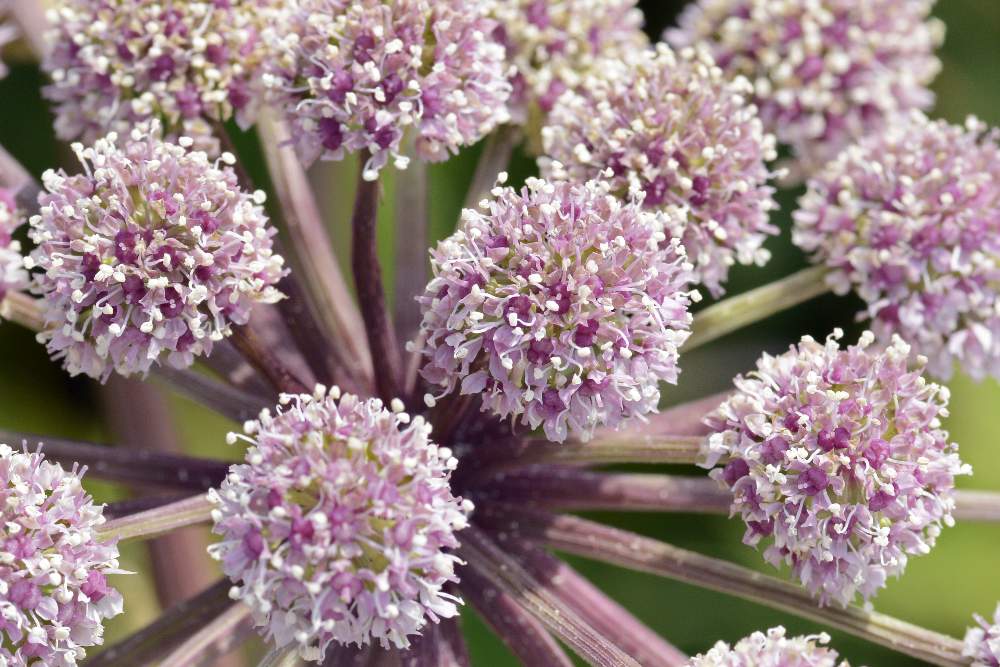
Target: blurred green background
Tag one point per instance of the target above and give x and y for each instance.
(941, 591)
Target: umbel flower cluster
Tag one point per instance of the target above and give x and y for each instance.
(401, 457)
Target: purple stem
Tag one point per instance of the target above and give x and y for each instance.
(569, 488)
(122, 508)
(228, 401)
(368, 282)
(489, 560)
(439, 645)
(630, 550)
(604, 614)
(227, 362)
(521, 632)
(136, 467)
(177, 623)
(261, 357)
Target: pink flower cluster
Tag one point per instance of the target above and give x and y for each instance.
(825, 72)
(672, 127)
(115, 63)
(554, 44)
(982, 643)
(837, 461)
(773, 649)
(560, 305)
(153, 253)
(12, 274)
(357, 76)
(338, 526)
(54, 593)
(910, 219)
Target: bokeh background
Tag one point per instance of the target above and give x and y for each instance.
(941, 591)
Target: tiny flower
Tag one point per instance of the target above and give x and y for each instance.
(910, 219)
(54, 593)
(554, 44)
(152, 254)
(561, 306)
(982, 643)
(338, 526)
(12, 274)
(356, 76)
(825, 72)
(771, 650)
(837, 461)
(672, 127)
(115, 63)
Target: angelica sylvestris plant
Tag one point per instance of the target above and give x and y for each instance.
(399, 467)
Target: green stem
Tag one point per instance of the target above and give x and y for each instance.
(615, 449)
(737, 312)
(155, 522)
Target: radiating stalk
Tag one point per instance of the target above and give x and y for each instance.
(261, 357)
(489, 560)
(604, 614)
(22, 309)
(220, 397)
(123, 508)
(626, 549)
(180, 621)
(412, 238)
(137, 467)
(519, 630)
(227, 363)
(30, 18)
(337, 313)
(368, 282)
(438, 645)
(683, 419)
(977, 506)
(281, 657)
(211, 640)
(494, 159)
(736, 312)
(614, 449)
(155, 522)
(570, 488)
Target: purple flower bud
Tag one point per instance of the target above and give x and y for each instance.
(54, 593)
(773, 650)
(910, 220)
(820, 80)
(120, 247)
(338, 527)
(545, 338)
(820, 490)
(699, 148)
(432, 68)
(734, 471)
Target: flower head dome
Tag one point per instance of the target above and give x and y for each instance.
(554, 44)
(336, 527)
(152, 254)
(12, 273)
(54, 594)
(672, 127)
(837, 461)
(115, 63)
(356, 76)
(910, 219)
(560, 305)
(982, 643)
(825, 72)
(773, 649)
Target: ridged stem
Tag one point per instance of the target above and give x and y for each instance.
(368, 282)
(412, 237)
(615, 449)
(736, 312)
(626, 549)
(213, 639)
(261, 357)
(155, 522)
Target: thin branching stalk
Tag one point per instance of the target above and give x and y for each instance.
(210, 638)
(137, 467)
(507, 574)
(226, 400)
(338, 316)
(604, 614)
(227, 363)
(736, 312)
(519, 630)
(155, 522)
(977, 505)
(497, 151)
(570, 488)
(30, 18)
(152, 642)
(261, 357)
(684, 419)
(412, 237)
(614, 449)
(626, 549)
(368, 282)
(22, 309)
(439, 645)
(123, 508)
